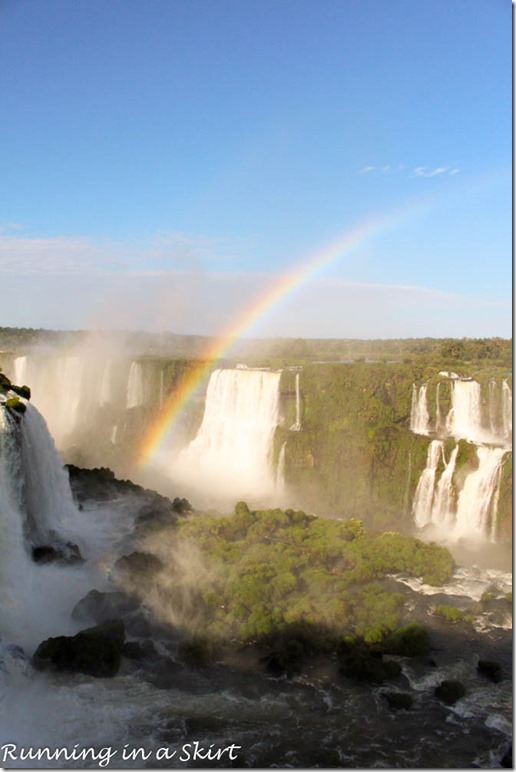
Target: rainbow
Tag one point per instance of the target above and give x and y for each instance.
(155, 436)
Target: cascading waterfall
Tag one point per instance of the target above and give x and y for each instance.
(296, 427)
(47, 498)
(70, 378)
(135, 392)
(105, 393)
(465, 417)
(36, 508)
(465, 507)
(424, 495)
(476, 508)
(507, 410)
(20, 370)
(419, 417)
(232, 450)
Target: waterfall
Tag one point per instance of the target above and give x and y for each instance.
(280, 473)
(135, 392)
(419, 417)
(36, 508)
(465, 417)
(70, 378)
(47, 497)
(20, 370)
(424, 496)
(466, 507)
(232, 450)
(476, 508)
(105, 393)
(296, 427)
(161, 388)
(507, 410)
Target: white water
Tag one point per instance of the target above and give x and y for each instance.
(296, 427)
(463, 507)
(477, 505)
(419, 417)
(232, 452)
(135, 392)
(465, 417)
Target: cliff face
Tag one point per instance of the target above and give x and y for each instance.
(348, 443)
(357, 453)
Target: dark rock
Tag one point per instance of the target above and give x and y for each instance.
(450, 691)
(490, 669)
(398, 700)
(138, 570)
(196, 652)
(506, 760)
(139, 650)
(65, 553)
(102, 606)
(95, 651)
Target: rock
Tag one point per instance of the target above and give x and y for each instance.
(95, 651)
(138, 570)
(490, 669)
(64, 553)
(102, 606)
(506, 760)
(398, 700)
(139, 650)
(450, 691)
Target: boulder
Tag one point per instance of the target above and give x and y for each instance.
(102, 606)
(450, 691)
(490, 669)
(398, 700)
(138, 570)
(94, 651)
(64, 553)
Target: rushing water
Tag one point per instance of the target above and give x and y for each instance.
(232, 451)
(164, 714)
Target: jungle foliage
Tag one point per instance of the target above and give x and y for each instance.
(275, 571)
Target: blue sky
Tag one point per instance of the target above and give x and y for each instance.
(163, 161)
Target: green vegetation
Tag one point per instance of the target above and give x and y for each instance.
(449, 613)
(307, 579)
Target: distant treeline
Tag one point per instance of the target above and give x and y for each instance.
(275, 351)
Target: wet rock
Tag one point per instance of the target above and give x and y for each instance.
(490, 669)
(95, 651)
(64, 553)
(102, 606)
(138, 570)
(398, 700)
(139, 650)
(506, 760)
(450, 691)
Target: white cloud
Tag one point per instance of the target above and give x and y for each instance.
(418, 171)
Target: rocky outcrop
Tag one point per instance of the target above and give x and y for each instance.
(102, 606)
(96, 651)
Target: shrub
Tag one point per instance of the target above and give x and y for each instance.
(410, 641)
(450, 613)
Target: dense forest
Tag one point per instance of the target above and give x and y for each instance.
(278, 351)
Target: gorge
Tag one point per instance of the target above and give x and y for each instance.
(395, 446)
